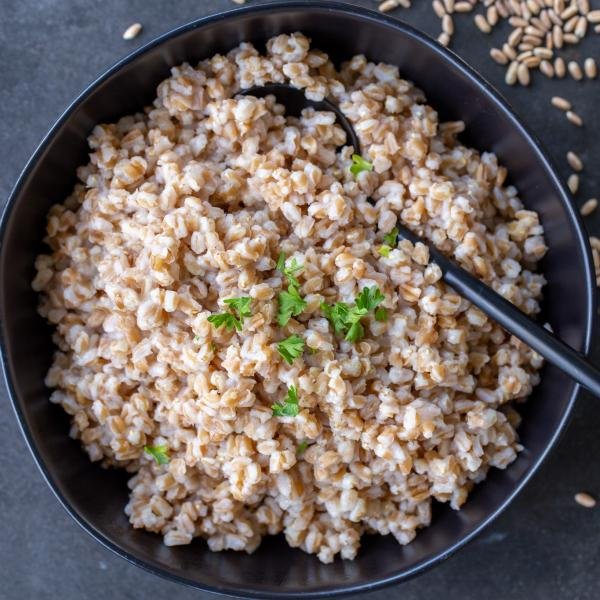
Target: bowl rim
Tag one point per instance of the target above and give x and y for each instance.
(485, 88)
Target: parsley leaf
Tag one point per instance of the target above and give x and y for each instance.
(291, 348)
(302, 446)
(355, 332)
(391, 238)
(337, 315)
(359, 164)
(289, 272)
(289, 407)
(226, 319)
(369, 299)
(346, 319)
(381, 314)
(158, 453)
(241, 306)
(384, 250)
(291, 304)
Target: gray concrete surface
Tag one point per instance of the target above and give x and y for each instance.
(544, 547)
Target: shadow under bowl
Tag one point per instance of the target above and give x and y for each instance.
(96, 497)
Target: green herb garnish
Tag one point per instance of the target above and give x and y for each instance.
(391, 238)
(302, 446)
(240, 308)
(158, 453)
(289, 407)
(381, 314)
(291, 348)
(291, 303)
(289, 272)
(346, 319)
(359, 164)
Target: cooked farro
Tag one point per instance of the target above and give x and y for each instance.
(190, 203)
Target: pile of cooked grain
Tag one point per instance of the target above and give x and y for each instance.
(192, 203)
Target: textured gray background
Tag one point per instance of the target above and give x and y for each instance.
(543, 547)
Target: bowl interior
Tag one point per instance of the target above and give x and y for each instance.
(96, 497)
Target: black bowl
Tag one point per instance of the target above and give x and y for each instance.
(96, 497)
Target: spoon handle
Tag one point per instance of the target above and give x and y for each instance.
(555, 351)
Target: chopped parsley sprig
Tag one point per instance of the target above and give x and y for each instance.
(302, 446)
(289, 407)
(359, 164)
(233, 319)
(291, 303)
(390, 240)
(291, 348)
(346, 318)
(159, 453)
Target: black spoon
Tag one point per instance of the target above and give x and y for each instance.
(554, 350)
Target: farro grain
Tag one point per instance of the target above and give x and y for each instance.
(584, 499)
(511, 73)
(588, 207)
(498, 56)
(575, 70)
(574, 161)
(574, 118)
(573, 183)
(560, 68)
(388, 5)
(438, 8)
(482, 24)
(509, 51)
(443, 38)
(523, 74)
(560, 102)
(581, 27)
(590, 68)
(448, 25)
(547, 69)
(132, 31)
(583, 6)
(463, 7)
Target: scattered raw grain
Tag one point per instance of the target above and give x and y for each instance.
(443, 39)
(448, 25)
(590, 68)
(560, 68)
(438, 9)
(574, 161)
(482, 24)
(511, 73)
(575, 70)
(573, 183)
(581, 28)
(547, 69)
(509, 51)
(463, 7)
(132, 31)
(498, 56)
(523, 74)
(588, 207)
(574, 118)
(560, 102)
(388, 5)
(585, 499)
